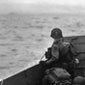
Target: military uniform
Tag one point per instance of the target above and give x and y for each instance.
(59, 55)
(62, 53)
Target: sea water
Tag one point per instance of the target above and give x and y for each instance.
(25, 37)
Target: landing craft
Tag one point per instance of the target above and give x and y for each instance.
(32, 75)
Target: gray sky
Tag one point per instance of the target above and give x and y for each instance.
(65, 2)
(40, 5)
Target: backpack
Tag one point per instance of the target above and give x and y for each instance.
(59, 75)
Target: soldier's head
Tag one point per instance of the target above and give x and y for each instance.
(56, 33)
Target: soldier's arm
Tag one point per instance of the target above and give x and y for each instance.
(73, 49)
(55, 55)
(55, 51)
(74, 52)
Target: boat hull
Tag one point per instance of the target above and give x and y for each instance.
(34, 75)
(31, 76)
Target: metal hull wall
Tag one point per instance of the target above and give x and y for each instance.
(31, 76)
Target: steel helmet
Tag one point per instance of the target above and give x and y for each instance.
(79, 80)
(56, 33)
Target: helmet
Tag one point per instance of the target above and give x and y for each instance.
(79, 80)
(56, 33)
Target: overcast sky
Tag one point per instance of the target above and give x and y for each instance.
(66, 2)
(33, 5)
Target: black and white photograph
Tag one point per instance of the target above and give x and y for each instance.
(42, 42)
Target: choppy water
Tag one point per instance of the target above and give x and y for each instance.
(24, 38)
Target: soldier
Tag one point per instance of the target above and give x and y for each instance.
(61, 51)
(60, 54)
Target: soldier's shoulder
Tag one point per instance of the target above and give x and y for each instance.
(67, 44)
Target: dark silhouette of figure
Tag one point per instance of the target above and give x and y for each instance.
(61, 54)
